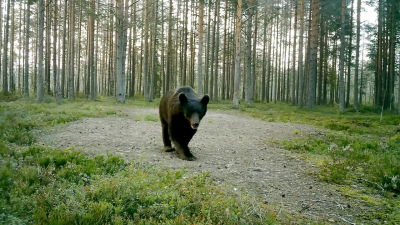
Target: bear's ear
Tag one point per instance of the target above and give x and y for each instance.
(182, 98)
(205, 99)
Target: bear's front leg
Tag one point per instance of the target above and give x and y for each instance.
(184, 151)
(166, 140)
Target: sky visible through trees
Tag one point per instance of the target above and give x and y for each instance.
(250, 50)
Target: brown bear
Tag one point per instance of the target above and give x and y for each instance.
(180, 114)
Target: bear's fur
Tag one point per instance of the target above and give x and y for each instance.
(180, 114)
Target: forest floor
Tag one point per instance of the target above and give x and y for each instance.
(234, 148)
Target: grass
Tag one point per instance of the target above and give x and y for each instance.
(357, 144)
(42, 185)
(352, 148)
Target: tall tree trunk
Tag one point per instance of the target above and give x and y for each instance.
(169, 53)
(91, 50)
(321, 62)
(146, 50)
(237, 52)
(152, 81)
(55, 86)
(269, 70)
(224, 62)
(313, 54)
(215, 97)
(120, 61)
(64, 49)
(48, 48)
(200, 52)
(355, 100)
(207, 78)
(11, 68)
(26, 73)
(71, 76)
(264, 70)
(249, 88)
(300, 94)
(213, 49)
(294, 56)
(40, 53)
(5, 49)
(349, 56)
(341, 64)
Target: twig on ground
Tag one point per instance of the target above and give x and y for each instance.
(347, 221)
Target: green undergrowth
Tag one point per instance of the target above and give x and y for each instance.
(352, 148)
(53, 186)
(356, 144)
(42, 185)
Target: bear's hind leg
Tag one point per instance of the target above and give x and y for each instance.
(166, 140)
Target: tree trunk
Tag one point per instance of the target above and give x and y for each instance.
(40, 53)
(264, 70)
(26, 73)
(64, 49)
(313, 54)
(224, 62)
(294, 56)
(71, 77)
(11, 69)
(5, 49)
(152, 81)
(48, 48)
(355, 100)
(200, 53)
(349, 57)
(91, 50)
(341, 64)
(300, 95)
(216, 51)
(55, 78)
(237, 61)
(120, 62)
(249, 88)
(169, 53)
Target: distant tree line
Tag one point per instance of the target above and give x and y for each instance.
(303, 52)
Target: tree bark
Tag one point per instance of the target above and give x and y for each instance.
(5, 49)
(237, 61)
(55, 78)
(200, 52)
(169, 53)
(40, 53)
(249, 88)
(341, 64)
(355, 100)
(294, 56)
(313, 54)
(300, 95)
(71, 77)
(121, 43)
(26, 73)
(91, 50)
(152, 80)
(64, 49)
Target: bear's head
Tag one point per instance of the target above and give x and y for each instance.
(194, 109)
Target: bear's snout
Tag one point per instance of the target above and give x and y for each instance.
(195, 121)
(195, 125)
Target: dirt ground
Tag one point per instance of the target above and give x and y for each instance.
(233, 148)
